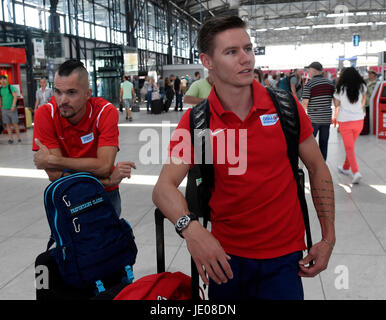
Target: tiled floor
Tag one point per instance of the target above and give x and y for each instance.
(356, 268)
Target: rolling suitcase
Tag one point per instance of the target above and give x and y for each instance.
(156, 106)
(160, 248)
(135, 107)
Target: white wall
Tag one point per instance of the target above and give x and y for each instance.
(291, 56)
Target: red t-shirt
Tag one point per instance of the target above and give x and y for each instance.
(255, 211)
(99, 127)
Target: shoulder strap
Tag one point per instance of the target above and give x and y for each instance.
(286, 108)
(199, 125)
(287, 111)
(9, 89)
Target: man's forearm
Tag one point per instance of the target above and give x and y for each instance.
(192, 100)
(170, 201)
(95, 166)
(322, 191)
(305, 103)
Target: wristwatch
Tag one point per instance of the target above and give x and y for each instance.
(184, 221)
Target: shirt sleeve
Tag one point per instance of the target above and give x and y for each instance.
(306, 92)
(44, 129)
(108, 127)
(180, 143)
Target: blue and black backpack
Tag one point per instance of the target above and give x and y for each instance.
(91, 241)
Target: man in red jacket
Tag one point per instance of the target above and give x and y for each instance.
(77, 132)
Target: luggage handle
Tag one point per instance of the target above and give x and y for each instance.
(160, 247)
(160, 242)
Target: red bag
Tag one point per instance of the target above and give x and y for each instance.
(159, 286)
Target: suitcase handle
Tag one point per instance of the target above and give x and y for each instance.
(160, 247)
(160, 243)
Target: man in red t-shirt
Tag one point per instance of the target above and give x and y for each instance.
(77, 132)
(254, 249)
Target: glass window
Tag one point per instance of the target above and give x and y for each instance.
(101, 16)
(87, 27)
(88, 11)
(8, 11)
(100, 33)
(62, 24)
(80, 28)
(33, 17)
(19, 12)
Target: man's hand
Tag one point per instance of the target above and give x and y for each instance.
(122, 170)
(207, 253)
(319, 253)
(41, 156)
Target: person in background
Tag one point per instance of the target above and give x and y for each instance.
(178, 92)
(161, 86)
(349, 101)
(149, 89)
(43, 94)
(296, 83)
(317, 100)
(199, 90)
(258, 75)
(284, 82)
(127, 96)
(197, 76)
(184, 85)
(169, 93)
(8, 107)
(370, 82)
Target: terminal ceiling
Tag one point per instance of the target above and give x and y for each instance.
(297, 22)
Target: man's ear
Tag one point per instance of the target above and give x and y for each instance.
(206, 61)
(89, 93)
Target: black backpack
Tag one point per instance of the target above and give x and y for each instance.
(201, 176)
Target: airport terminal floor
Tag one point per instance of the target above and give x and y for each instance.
(356, 268)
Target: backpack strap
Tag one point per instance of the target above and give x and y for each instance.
(286, 108)
(199, 125)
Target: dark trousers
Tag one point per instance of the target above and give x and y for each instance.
(178, 101)
(263, 279)
(324, 134)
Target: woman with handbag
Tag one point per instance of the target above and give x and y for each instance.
(149, 87)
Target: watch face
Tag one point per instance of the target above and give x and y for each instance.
(182, 222)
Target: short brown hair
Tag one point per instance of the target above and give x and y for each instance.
(214, 26)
